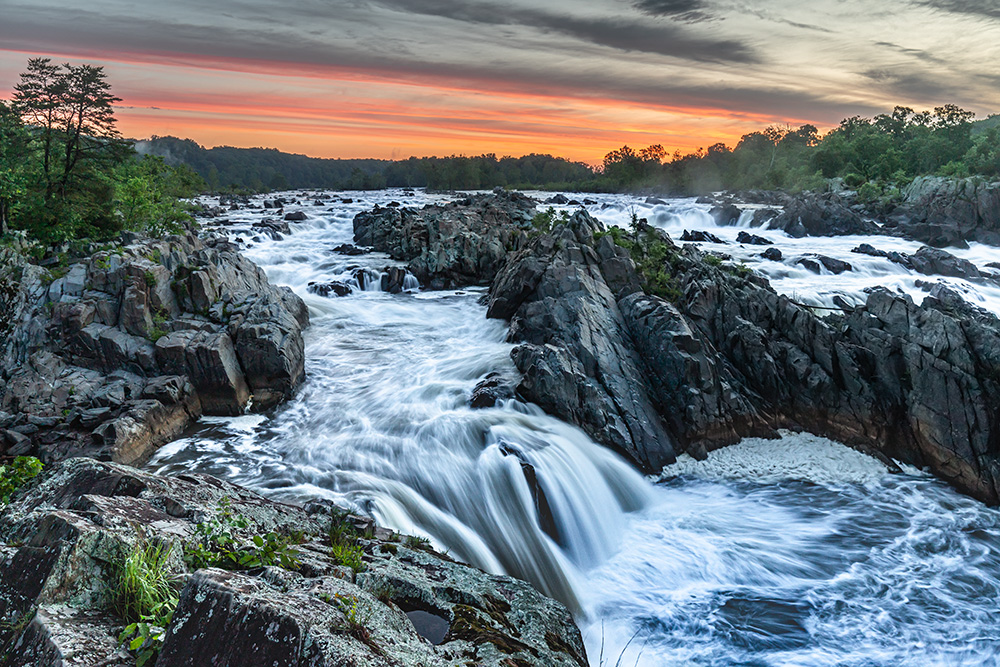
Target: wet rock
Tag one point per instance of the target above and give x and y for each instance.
(296, 216)
(936, 262)
(332, 288)
(726, 215)
(393, 279)
(452, 245)
(752, 239)
(833, 265)
(494, 388)
(700, 237)
(772, 254)
(558, 200)
(821, 215)
(351, 250)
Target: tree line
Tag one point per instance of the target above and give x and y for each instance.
(65, 170)
(875, 155)
(262, 169)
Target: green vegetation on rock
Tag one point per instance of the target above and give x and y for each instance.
(15, 474)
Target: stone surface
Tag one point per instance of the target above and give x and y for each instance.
(463, 243)
(821, 215)
(59, 536)
(92, 352)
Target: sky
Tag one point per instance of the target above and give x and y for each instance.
(576, 78)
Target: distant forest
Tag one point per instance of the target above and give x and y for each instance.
(878, 156)
(262, 169)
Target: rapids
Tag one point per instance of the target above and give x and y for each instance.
(790, 552)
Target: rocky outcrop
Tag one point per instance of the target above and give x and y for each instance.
(821, 215)
(401, 603)
(949, 212)
(451, 245)
(730, 358)
(116, 352)
(560, 294)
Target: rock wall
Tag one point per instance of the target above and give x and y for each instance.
(949, 212)
(60, 539)
(114, 354)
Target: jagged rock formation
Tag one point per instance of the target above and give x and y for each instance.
(821, 215)
(452, 245)
(730, 358)
(60, 541)
(116, 353)
(949, 212)
(724, 356)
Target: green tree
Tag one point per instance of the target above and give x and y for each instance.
(13, 171)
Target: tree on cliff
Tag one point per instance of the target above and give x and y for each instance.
(69, 111)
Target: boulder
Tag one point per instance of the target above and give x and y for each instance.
(296, 216)
(726, 215)
(331, 288)
(700, 237)
(821, 215)
(751, 239)
(772, 254)
(209, 360)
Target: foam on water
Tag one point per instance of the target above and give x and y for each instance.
(793, 456)
(796, 551)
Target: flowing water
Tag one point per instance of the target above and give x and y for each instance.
(790, 552)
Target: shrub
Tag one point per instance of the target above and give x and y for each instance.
(15, 474)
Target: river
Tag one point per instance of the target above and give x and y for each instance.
(797, 551)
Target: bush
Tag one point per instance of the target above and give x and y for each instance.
(15, 474)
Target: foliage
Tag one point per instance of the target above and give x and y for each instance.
(223, 542)
(142, 592)
(545, 220)
(66, 173)
(344, 547)
(652, 256)
(15, 474)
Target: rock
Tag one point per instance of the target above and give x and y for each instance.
(945, 212)
(772, 254)
(936, 262)
(726, 215)
(80, 364)
(210, 360)
(867, 249)
(700, 237)
(58, 540)
(393, 279)
(762, 216)
(558, 200)
(495, 388)
(575, 355)
(835, 266)
(450, 245)
(351, 249)
(821, 215)
(332, 288)
(655, 201)
(296, 216)
(751, 239)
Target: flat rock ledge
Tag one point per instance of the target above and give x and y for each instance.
(58, 538)
(116, 353)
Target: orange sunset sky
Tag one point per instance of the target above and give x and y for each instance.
(396, 78)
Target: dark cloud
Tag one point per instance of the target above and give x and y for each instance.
(920, 54)
(617, 33)
(691, 11)
(912, 85)
(984, 8)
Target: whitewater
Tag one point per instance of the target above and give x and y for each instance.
(796, 551)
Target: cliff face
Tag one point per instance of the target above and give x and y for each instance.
(116, 353)
(398, 603)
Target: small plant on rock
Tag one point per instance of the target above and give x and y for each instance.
(220, 543)
(15, 474)
(142, 592)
